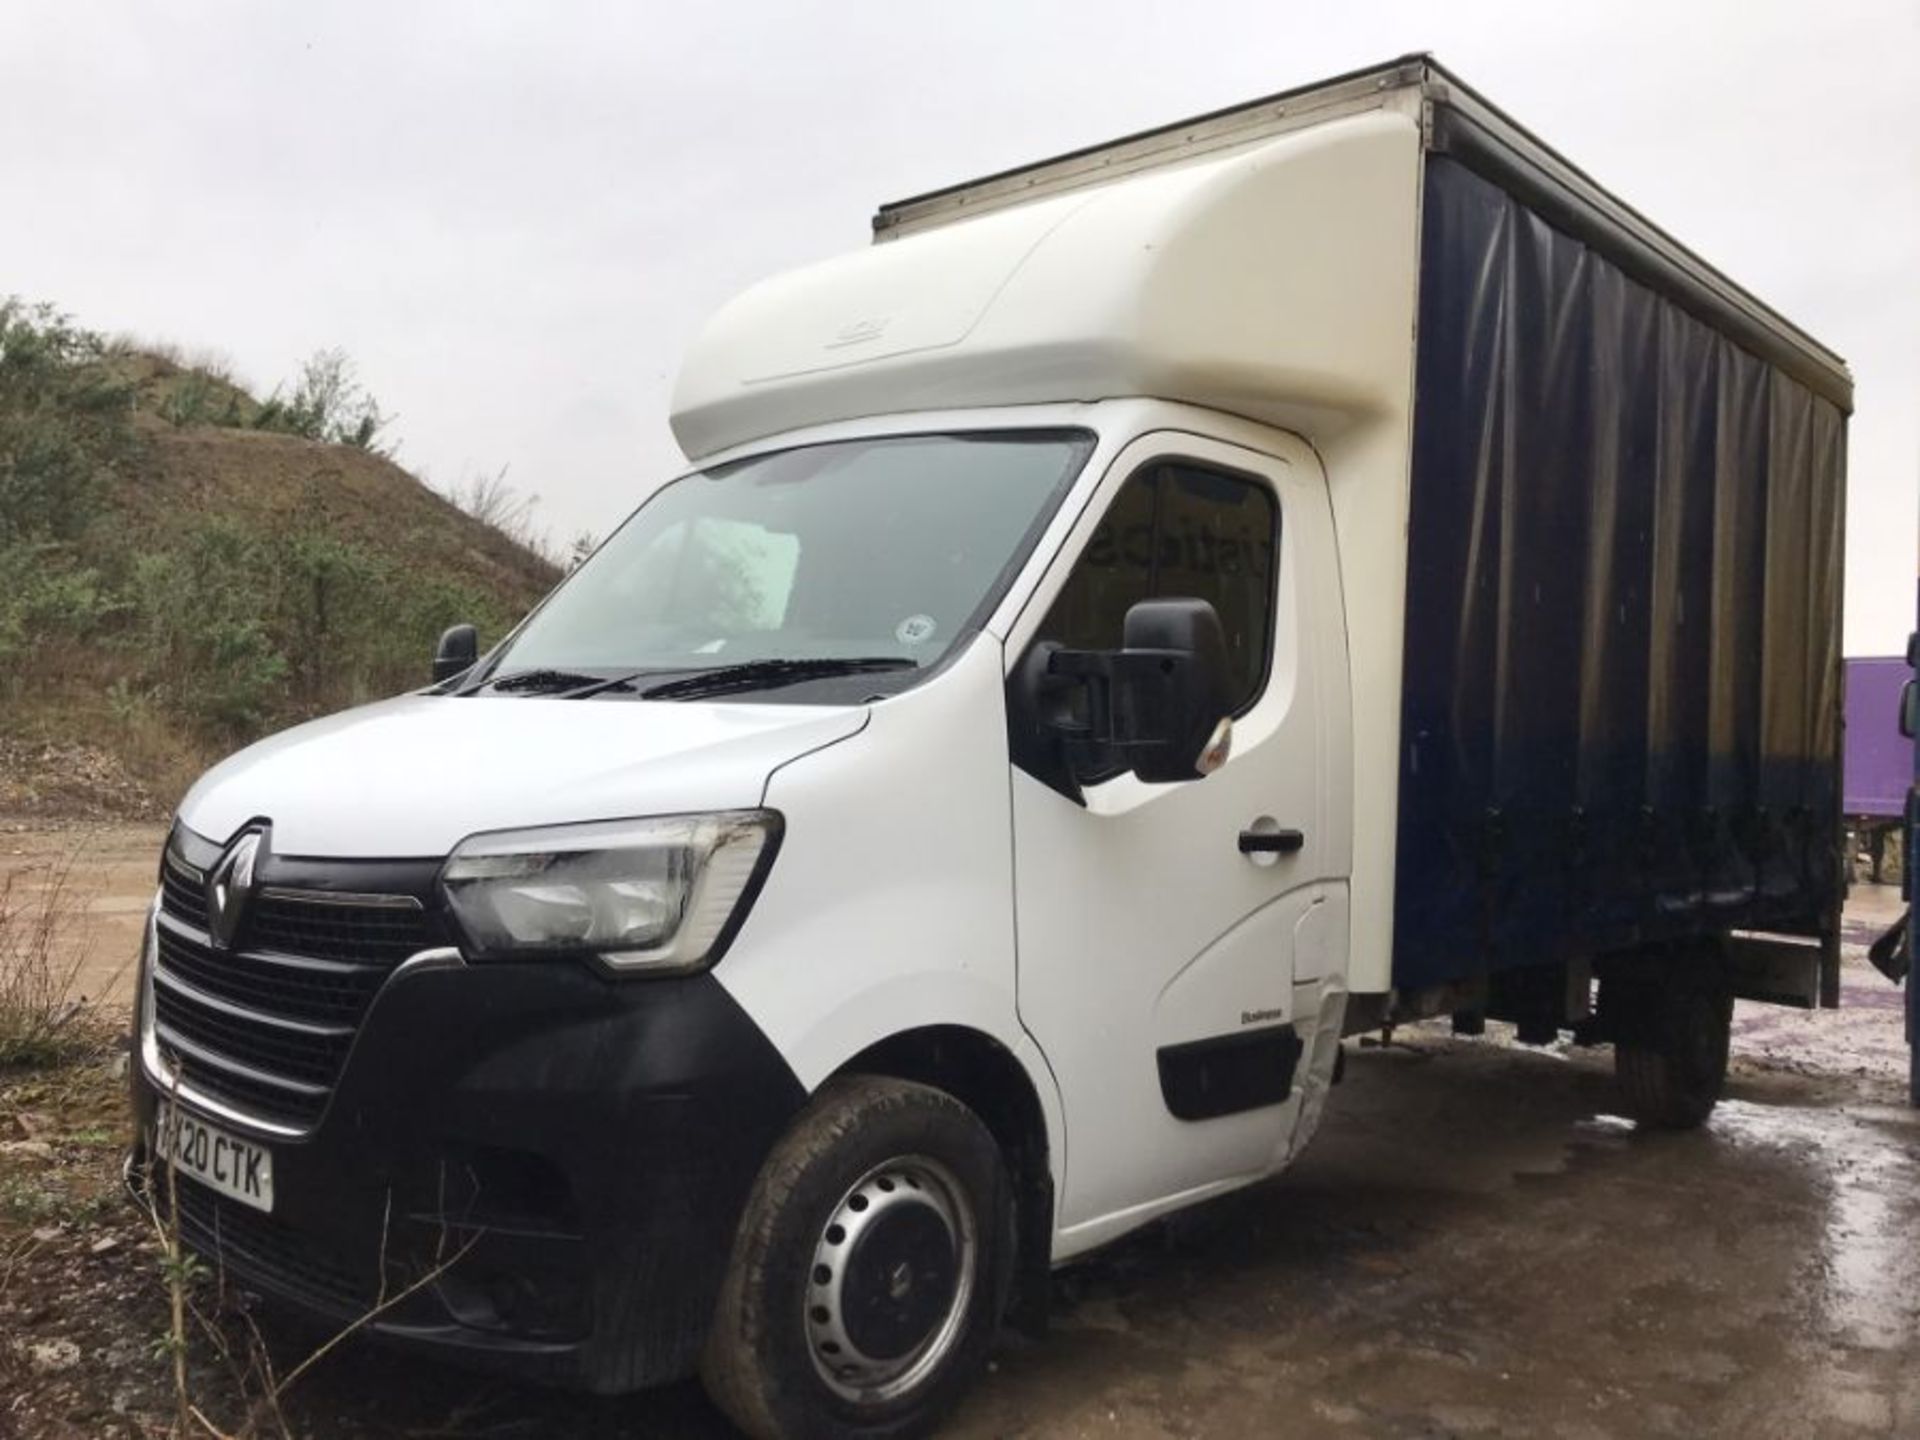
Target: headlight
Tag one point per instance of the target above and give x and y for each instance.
(652, 896)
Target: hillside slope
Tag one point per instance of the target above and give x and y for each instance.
(171, 588)
(356, 497)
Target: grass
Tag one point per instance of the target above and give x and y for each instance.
(44, 1020)
(41, 1199)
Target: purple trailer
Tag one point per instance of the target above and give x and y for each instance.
(1879, 761)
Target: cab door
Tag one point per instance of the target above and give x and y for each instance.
(1158, 925)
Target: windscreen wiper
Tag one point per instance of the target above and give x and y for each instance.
(767, 674)
(625, 682)
(538, 681)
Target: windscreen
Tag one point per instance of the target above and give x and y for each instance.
(881, 552)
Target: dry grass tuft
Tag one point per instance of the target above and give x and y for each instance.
(43, 1017)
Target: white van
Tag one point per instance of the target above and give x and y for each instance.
(1148, 617)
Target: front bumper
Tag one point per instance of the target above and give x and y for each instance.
(584, 1147)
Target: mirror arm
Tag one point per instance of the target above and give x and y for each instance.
(1040, 730)
(1110, 677)
(1092, 671)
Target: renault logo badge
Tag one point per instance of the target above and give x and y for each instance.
(229, 887)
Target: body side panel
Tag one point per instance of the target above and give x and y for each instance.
(890, 907)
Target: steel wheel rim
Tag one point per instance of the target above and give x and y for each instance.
(886, 1230)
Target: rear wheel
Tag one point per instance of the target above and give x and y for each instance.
(869, 1272)
(1671, 1047)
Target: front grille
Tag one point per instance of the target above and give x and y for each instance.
(320, 994)
(249, 1094)
(256, 1246)
(305, 1058)
(185, 893)
(265, 1027)
(363, 930)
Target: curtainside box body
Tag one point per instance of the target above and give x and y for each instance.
(1621, 704)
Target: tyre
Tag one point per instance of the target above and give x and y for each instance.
(869, 1273)
(1670, 1055)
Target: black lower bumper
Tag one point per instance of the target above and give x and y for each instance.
(562, 1160)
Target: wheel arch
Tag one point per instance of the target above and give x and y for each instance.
(994, 1082)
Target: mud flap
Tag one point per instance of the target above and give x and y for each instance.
(1889, 952)
(1778, 969)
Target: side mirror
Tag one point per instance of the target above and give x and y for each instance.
(1158, 706)
(458, 650)
(1172, 691)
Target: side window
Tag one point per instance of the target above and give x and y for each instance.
(1113, 573)
(1177, 530)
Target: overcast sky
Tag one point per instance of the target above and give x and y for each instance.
(514, 217)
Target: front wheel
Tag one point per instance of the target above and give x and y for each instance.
(869, 1272)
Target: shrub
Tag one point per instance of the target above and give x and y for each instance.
(204, 627)
(64, 424)
(47, 600)
(328, 403)
(239, 631)
(200, 397)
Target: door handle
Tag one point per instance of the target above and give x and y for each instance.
(1271, 842)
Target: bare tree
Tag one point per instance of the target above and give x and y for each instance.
(495, 502)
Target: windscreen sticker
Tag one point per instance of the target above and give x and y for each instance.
(914, 630)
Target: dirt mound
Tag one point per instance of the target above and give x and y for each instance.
(70, 781)
(185, 566)
(225, 583)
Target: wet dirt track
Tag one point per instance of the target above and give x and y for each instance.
(1474, 1246)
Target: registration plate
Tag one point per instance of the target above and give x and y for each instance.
(237, 1168)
